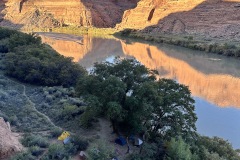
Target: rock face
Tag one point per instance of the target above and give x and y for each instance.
(50, 13)
(211, 18)
(9, 143)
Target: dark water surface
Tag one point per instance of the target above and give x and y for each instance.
(213, 80)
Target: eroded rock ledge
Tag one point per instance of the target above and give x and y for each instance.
(9, 143)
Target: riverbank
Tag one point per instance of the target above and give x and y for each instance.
(221, 47)
(79, 31)
(195, 42)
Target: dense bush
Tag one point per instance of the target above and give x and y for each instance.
(38, 64)
(36, 151)
(100, 151)
(216, 147)
(34, 140)
(23, 156)
(30, 61)
(59, 152)
(56, 151)
(6, 33)
(178, 149)
(55, 132)
(80, 143)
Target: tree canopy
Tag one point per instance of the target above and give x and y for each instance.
(28, 60)
(130, 95)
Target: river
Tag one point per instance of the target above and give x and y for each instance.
(213, 80)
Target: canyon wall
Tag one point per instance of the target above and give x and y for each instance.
(51, 13)
(209, 18)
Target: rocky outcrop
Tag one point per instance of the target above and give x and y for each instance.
(9, 143)
(209, 18)
(51, 13)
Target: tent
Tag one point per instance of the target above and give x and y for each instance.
(138, 142)
(67, 140)
(121, 141)
(64, 135)
(83, 155)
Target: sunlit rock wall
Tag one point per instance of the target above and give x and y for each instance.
(51, 13)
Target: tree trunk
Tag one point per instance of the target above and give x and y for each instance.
(115, 129)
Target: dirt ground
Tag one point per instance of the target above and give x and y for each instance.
(104, 133)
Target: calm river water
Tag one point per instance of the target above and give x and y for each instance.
(213, 80)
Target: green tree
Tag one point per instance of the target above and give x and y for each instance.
(128, 94)
(217, 147)
(173, 110)
(100, 151)
(178, 150)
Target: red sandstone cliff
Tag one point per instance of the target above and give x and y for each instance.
(50, 13)
(210, 18)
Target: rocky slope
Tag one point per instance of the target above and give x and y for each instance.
(209, 18)
(9, 143)
(50, 13)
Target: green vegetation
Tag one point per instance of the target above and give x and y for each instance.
(201, 44)
(30, 140)
(125, 92)
(100, 151)
(128, 94)
(96, 32)
(30, 61)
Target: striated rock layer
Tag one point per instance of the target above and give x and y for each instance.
(209, 18)
(50, 13)
(9, 143)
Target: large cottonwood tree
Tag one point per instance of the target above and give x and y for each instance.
(129, 95)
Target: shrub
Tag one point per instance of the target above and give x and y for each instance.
(13, 120)
(80, 143)
(57, 151)
(36, 151)
(100, 151)
(55, 132)
(34, 140)
(69, 112)
(32, 62)
(178, 149)
(23, 156)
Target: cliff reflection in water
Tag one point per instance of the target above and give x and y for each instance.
(213, 79)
